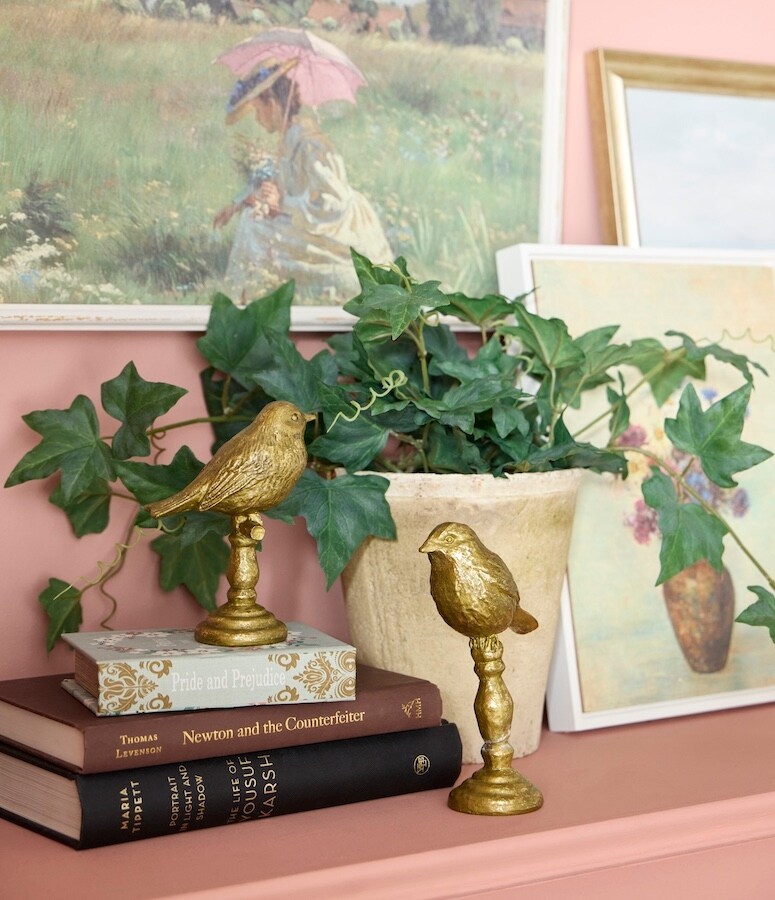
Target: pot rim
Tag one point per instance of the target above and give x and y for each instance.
(434, 484)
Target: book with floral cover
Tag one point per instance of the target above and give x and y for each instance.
(163, 670)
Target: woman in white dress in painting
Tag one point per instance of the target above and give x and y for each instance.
(299, 216)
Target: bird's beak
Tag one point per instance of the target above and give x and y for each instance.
(428, 546)
(310, 417)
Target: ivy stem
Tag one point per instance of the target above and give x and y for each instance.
(670, 357)
(418, 338)
(200, 420)
(679, 480)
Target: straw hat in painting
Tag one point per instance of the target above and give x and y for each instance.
(260, 79)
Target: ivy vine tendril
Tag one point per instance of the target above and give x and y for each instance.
(394, 380)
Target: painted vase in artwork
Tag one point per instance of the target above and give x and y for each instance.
(700, 602)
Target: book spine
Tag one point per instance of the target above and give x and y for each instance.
(226, 790)
(121, 742)
(287, 675)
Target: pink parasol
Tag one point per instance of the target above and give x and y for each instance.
(323, 72)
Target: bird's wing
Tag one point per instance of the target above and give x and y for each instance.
(501, 581)
(233, 476)
(497, 577)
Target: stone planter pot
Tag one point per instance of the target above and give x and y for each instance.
(527, 520)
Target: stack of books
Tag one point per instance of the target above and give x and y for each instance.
(156, 734)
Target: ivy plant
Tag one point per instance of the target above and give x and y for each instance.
(402, 391)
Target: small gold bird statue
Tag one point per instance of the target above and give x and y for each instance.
(476, 594)
(473, 590)
(252, 472)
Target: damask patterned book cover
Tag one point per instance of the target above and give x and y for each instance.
(166, 669)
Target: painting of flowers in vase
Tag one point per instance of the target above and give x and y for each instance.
(630, 648)
(700, 600)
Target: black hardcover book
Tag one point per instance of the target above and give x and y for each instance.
(115, 807)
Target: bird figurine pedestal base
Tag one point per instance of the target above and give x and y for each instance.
(496, 789)
(241, 622)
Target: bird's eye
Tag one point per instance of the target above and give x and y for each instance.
(295, 417)
(449, 539)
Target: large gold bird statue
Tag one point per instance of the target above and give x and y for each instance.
(476, 594)
(473, 589)
(252, 472)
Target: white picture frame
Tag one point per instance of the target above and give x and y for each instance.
(179, 316)
(575, 283)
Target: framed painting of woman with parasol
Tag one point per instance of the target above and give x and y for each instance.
(155, 160)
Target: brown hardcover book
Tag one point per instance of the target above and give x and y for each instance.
(37, 714)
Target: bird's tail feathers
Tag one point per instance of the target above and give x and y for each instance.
(167, 507)
(523, 622)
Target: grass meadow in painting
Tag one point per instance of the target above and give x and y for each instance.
(115, 157)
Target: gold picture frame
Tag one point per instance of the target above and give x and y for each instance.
(678, 146)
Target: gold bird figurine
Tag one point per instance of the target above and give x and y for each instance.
(471, 586)
(251, 472)
(476, 595)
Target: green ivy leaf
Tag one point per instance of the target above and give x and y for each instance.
(367, 273)
(235, 341)
(461, 403)
(665, 372)
(694, 352)
(340, 514)
(507, 418)
(762, 612)
(388, 309)
(155, 482)
(600, 356)
(351, 444)
(489, 361)
(713, 435)
(196, 565)
(448, 450)
(89, 511)
(549, 339)
(289, 376)
(136, 403)
(567, 453)
(62, 603)
(619, 420)
(70, 442)
(689, 533)
(483, 312)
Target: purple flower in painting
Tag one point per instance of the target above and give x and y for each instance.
(738, 503)
(634, 436)
(643, 522)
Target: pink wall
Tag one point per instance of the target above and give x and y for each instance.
(46, 370)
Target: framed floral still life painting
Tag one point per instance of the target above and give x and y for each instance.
(629, 650)
(156, 152)
(683, 150)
